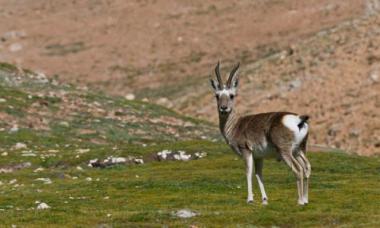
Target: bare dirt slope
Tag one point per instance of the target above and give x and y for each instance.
(164, 50)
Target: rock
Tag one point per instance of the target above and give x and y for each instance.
(19, 146)
(4, 154)
(44, 180)
(2, 100)
(165, 102)
(163, 155)
(185, 213)
(15, 47)
(42, 206)
(82, 151)
(200, 155)
(14, 129)
(295, 84)
(13, 181)
(182, 156)
(88, 179)
(138, 161)
(13, 34)
(374, 76)
(130, 97)
(40, 169)
(64, 124)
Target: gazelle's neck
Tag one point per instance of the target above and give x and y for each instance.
(227, 123)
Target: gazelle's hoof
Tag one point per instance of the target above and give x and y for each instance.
(305, 201)
(300, 202)
(250, 201)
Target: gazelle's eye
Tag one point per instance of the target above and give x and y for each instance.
(232, 96)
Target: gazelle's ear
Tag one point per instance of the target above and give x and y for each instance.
(214, 84)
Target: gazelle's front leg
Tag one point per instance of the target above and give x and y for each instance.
(259, 175)
(249, 168)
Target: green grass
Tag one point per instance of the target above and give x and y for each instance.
(344, 191)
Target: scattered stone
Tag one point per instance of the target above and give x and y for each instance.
(9, 169)
(182, 156)
(163, 155)
(82, 151)
(15, 47)
(14, 129)
(88, 179)
(79, 168)
(19, 145)
(44, 180)
(200, 155)
(185, 213)
(64, 124)
(40, 169)
(12, 35)
(165, 102)
(4, 154)
(138, 161)
(295, 84)
(110, 161)
(130, 97)
(42, 206)
(2, 100)
(374, 76)
(13, 181)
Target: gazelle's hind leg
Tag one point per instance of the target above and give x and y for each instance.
(259, 175)
(307, 176)
(298, 172)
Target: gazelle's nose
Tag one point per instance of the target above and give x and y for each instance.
(223, 108)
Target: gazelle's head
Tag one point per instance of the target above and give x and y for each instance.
(225, 93)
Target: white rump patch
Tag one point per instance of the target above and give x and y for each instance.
(291, 122)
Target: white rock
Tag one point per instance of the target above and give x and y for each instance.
(4, 154)
(82, 151)
(45, 180)
(130, 97)
(13, 181)
(200, 154)
(40, 169)
(138, 161)
(20, 146)
(93, 161)
(185, 213)
(15, 47)
(14, 129)
(163, 154)
(79, 168)
(374, 76)
(88, 179)
(42, 206)
(2, 100)
(182, 156)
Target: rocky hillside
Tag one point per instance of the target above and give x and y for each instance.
(36, 109)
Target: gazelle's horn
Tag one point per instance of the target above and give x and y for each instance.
(217, 72)
(233, 72)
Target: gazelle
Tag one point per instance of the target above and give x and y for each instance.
(280, 135)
